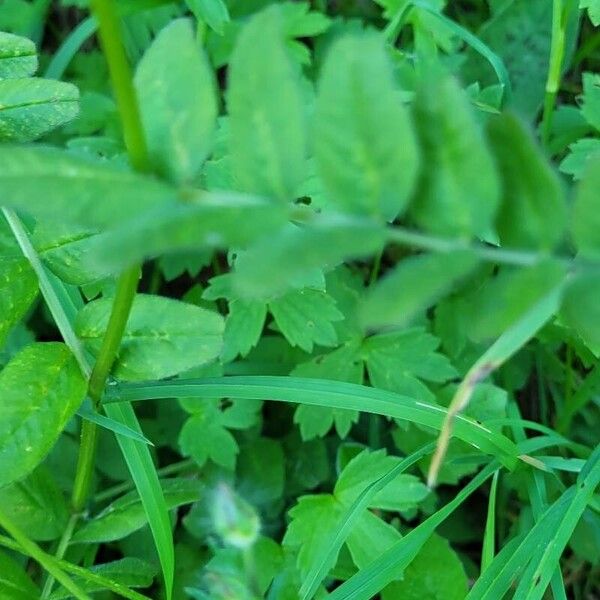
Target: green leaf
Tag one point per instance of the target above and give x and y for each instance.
(31, 107)
(305, 317)
(268, 133)
(447, 581)
(18, 57)
(18, 290)
(365, 146)
(261, 471)
(127, 514)
(128, 571)
(213, 12)
(533, 210)
(292, 256)
(82, 190)
(398, 361)
(414, 285)
(581, 153)
(457, 192)
(37, 505)
(208, 220)
(586, 214)
(163, 337)
(176, 92)
(243, 327)
(14, 581)
(580, 309)
(343, 364)
(205, 435)
(590, 107)
(40, 390)
(593, 8)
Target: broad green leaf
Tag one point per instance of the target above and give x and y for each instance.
(590, 107)
(457, 192)
(205, 435)
(37, 505)
(398, 361)
(18, 57)
(266, 108)
(31, 107)
(343, 364)
(213, 12)
(533, 209)
(436, 573)
(581, 154)
(87, 191)
(18, 290)
(126, 515)
(593, 8)
(175, 88)
(414, 285)
(15, 584)
(305, 317)
(580, 309)
(502, 300)
(163, 336)
(128, 571)
(585, 223)
(365, 146)
(40, 390)
(292, 256)
(243, 327)
(209, 220)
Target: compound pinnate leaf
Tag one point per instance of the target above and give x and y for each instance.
(40, 390)
(163, 337)
(178, 104)
(457, 191)
(267, 113)
(18, 57)
(127, 514)
(82, 190)
(533, 209)
(31, 107)
(364, 141)
(18, 290)
(14, 581)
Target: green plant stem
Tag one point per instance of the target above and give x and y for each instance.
(557, 53)
(126, 288)
(45, 560)
(121, 77)
(61, 550)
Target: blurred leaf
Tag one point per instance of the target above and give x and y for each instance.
(586, 212)
(14, 581)
(18, 56)
(213, 12)
(40, 390)
(176, 92)
(457, 193)
(268, 133)
(533, 210)
(593, 8)
(365, 146)
(163, 336)
(261, 471)
(414, 285)
(590, 107)
(581, 153)
(126, 515)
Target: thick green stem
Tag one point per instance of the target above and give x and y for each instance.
(121, 77)
(557, 53)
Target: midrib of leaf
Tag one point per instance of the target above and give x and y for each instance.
(53, 102)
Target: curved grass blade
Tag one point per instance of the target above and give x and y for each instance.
(321, 392)
(512, 340)
(85, 412)
(370, 580)
(324, 563)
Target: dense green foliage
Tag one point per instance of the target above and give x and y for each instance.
(300, 299)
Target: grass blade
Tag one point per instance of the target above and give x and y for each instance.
(489, 538)
(89, 415)
(321, 392)
(370, 580)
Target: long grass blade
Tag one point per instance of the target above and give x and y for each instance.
(321, 392)
(85, 412)
(489, 537)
